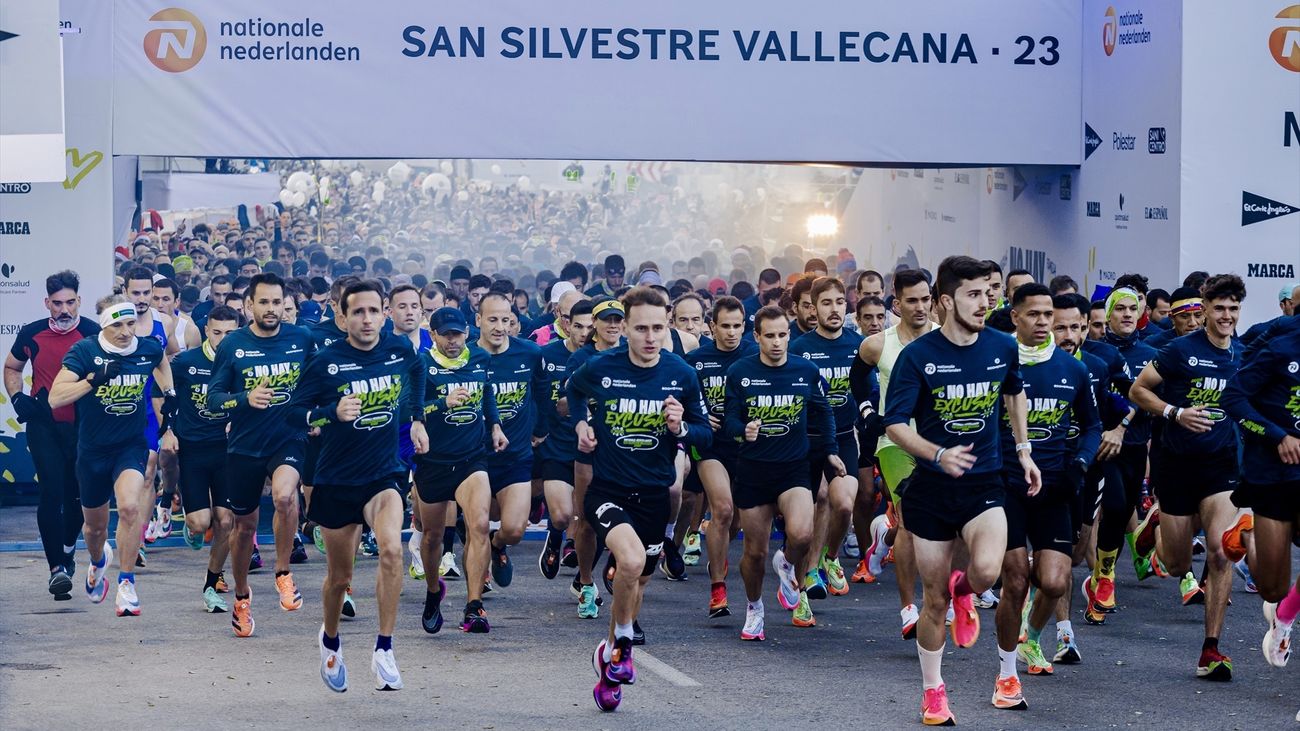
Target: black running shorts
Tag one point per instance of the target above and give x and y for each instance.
(98, 470)
(936, 507)
(202, 480)
(1278, 501)
(246, 476)
(437, 482)
(1042, 522)
(339, 506)
(1182, 481)
(762, 483)
(608, 506)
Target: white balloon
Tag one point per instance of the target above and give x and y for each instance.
(378, 195)
(435, 182)
(286, 197)
(496, 169)
(399, 172)
(446, 167)
(357, 177)
(381, 185)
(299, 198)
(296, 179)
(462, 196)
(524, 182)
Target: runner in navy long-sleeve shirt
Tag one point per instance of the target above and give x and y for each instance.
(645, 402)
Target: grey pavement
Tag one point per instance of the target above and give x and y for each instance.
(74, 664)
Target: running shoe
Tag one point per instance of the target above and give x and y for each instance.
(548, 561)
(1142, 567)
(1214, 665)
(318, 538)
(384, 665)
(96, 579)
(753, 629)
(141, 559)
(910, 615)
(607, 695)
(299, 553)
(673, 567)
(803, 614)
(151, 528)
(1032, 654)
(60, 584)
(242, 618)
(1277, 640)
(332, 669)
(620, 669)
(569, 555)
(934, 708)
(638, 634)
(718, 601)
(128, 604)
(475, 621)
(290, 597)
(1244, 572)
(1234, 545)
(255, 561)
(849, 547)
(814, 586)
(588, 606)
(349, 608)
(193, 540)
(691, 549)
(1144, 536)
(1092, 613)
(222, 586)
(965, 620)
(986, 600)
(836, 583)
(947, 619)
(1198, 544)
(369, 546)
(878, 551)
(1067, 652)
(862, 574)
(1008, 695)
(1024, 616)
(787, 587)
(416, 569)
(431, 618)
(1191, 590)
(502, 570)
(165, 519)
(607, 576)
(213, 603)
(576, 590)
(447, 567)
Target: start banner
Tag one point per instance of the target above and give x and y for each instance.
(934, 81)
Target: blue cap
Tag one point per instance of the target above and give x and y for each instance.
(448, 319)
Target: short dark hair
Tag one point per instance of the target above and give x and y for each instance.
(992, 265)
(957, 269)
(1135, 282)
(433, 289)
(1098, 305)
(574, 270)
(1196, 279)
(267, 278)
(765, 313)
(320, 259)
(224, 314)
(821, 284)
(644, 296)
(1019, 273)
(165, 283)
(1062, 282)
(360, 287)
(687, 296)
(725, 304)
(504, 286)
(341, 284)
(480, 280)
(139, 273)
(801, 286)
(867, 276)
(404, 288)
(742, 290)
(232, 297)
(221, 279)
(1224, 285)
(866, 302)
(579, 308)
(1075, 301)
(769, 276)
(66, 279)
(1156, 295)
(815, 265)
(905, 278)
(1032, 289)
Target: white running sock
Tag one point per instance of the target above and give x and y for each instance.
(931, 666)
(754, 606)
(1064, 628)
(668, 531)
(1007, 661)
(623, 630)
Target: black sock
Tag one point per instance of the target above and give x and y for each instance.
(331, 643)
(384, 642)
(448, 539)
(212, 580)
(241, 597)
(1211, 643)
(278, 574)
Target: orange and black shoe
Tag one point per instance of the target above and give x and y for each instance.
(1092, 614)
(242, 618)
(1234, 546)
(862, 575)
(718, 601)
(1214, 665)
(290, 597)
(1009, 695)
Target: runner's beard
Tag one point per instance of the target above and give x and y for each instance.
(974, 327)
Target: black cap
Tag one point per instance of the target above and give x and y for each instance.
(448, 319)
(614, 262)
(459, 272)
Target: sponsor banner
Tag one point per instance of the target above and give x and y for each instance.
(1242, 148)
(31, 79)
(46, 227)
(594, 80)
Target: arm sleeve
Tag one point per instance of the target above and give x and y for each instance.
(733, 407)
(1013, 383)
(22, 348)
(491, 414)
(413, 393)
(1248, 382)
(821, 418)
(222, 395)
(1088, 418)
(904, 390)
(699, 433)
(576, 391)
(306, 407)
(866, 389)
(540, 391)
(1120, 375)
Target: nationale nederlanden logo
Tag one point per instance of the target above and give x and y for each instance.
(1284, 41)
(176, 41)
(1110, 31)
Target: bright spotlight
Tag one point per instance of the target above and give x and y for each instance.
(823, 225)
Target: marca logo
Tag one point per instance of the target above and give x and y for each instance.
(1256, 208)
(1270, 271)
(1110, 31)
(1094, 209)
(1284, 41)
(1156, 141)
(1091, 141)
(177, 41)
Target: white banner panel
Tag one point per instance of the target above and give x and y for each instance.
(1241, 148)
(177, 191)
(928, 80)
(46, 227)
(31, 80)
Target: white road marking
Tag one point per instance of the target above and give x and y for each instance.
(649, 662)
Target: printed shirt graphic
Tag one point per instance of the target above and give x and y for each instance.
(955, 393)
(457, 433)
(245, 360)
(387, 380)
(789, 400)
(711, 366)
(113, 414)
(1061, 415)
(634, 450)
(1264, 398)
(195, 422)
(1195, 372)
(518, 382)
(834, 358)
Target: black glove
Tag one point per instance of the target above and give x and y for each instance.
(1075, 474)
(26, 407)
(109, 370)
(169, 406)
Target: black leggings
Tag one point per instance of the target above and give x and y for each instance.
(53, 447)
(1124, 475)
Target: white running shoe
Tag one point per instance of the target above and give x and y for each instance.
(986, 599)
(447, 568)
(787, 592)
(1277, 640)
(850, 546)
(96, 578)
(128, 604)
(332, 669)
(947, 620)
(878, 550)
(753, 629)
(417, 561)
(164, 529)
(909, 615)
(387, 676)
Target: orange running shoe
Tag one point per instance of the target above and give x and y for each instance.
(966, 621)
(934, 708)
(1233, 545)
(863, 575)
(1008, 695)
(1104, 594)
(242, 618)
(290, 597)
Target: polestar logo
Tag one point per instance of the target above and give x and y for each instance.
(1256, 208)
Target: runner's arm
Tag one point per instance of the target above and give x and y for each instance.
(1247, 382)
(68, 386)
(1089, 419)
(14, 375)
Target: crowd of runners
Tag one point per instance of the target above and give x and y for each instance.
(980, 432)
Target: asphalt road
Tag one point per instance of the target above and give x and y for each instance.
(74, 664)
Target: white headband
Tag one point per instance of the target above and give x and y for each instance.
(116, 313)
